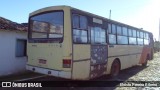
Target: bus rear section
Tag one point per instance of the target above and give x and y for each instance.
(49, 47)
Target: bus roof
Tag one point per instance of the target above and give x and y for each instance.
(81, 11)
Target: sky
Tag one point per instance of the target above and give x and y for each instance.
(139, 13)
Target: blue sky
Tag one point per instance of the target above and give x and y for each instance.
(139, 13)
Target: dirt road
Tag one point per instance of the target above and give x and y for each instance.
(149, 73)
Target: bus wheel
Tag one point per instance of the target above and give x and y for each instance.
(115, 68)
(145, 63)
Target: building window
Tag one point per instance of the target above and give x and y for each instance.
(21, 47)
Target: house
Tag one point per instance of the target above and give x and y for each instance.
(13, 39)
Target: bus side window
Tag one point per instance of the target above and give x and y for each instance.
(132, 37)
(112, 39)
(130, 32)
(80, 30)
(75, 21)
(83, 22)
(124, 31)
(122, 36)
(134, 33)
(112, 34)
(119, 30)
(113, 29)
(146, 41)
(109, 28)
(140, 39)
(138, 36)
(98, 35)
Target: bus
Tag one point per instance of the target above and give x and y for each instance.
(70, 43)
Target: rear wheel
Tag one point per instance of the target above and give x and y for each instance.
(115, 68)
(146, 61)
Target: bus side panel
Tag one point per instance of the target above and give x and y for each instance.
(67, 41)
(134, 53)
(129, 55)
(81, 61)
(120, 52)
(81, 70)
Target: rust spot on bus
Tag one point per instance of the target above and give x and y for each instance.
(98, 70)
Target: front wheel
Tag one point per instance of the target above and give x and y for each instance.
(115, 68)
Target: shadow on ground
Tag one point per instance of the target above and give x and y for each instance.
(100, 83)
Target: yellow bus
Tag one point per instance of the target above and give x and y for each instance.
(70, 43)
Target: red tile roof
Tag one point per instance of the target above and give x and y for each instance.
(6, 24)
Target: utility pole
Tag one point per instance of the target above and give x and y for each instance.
(110, 14)
(159, 31)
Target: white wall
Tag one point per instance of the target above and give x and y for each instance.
(9, 63)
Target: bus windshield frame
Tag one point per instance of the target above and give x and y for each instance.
(46, 27)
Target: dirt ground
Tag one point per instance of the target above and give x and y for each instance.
(137, 73)
(149, 73)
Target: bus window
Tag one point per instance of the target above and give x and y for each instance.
(138, 34)
(122, 39)
(80, 29)
(109, 28)
(112, 39)
(147, 36)
(124, 31)
(130, 32)
(132, 41)
(134, 33)
(83, 22)
(140, 41)
(75, 21)
(141, 34)
(47, 26)
(79, 36)
(113, 29)
(98, 35)
(39, 35)
(119, 30)
(146, 42)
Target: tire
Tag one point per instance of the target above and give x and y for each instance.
(115, 69)
(145, 63)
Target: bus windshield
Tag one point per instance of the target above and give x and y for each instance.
(47, 26)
